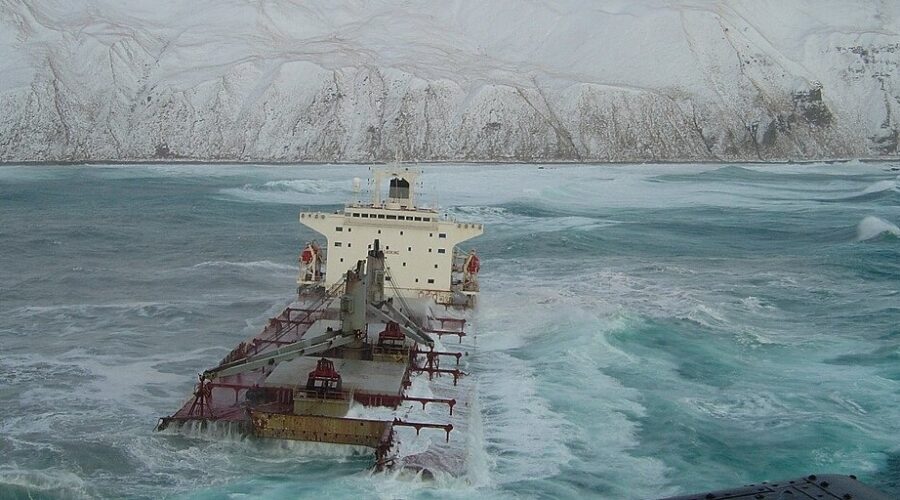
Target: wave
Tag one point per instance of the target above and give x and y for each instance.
(37, 484)
(873, 227)
(706, 316)
(480, 214)
(881, 186)
(765, 410)
(307, 186)
(160, 310)
(294, 191)
(754, 303)
(233, 432)
(762, 174)
(520, 422)
(123, 320)
(100, 377)
(257, 264)
(875, 191)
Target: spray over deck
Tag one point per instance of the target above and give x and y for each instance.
(358, 358)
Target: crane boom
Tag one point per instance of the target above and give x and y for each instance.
(314, 345)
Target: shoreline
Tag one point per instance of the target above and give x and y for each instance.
(176, 161)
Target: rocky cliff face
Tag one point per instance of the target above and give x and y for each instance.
(503, 80)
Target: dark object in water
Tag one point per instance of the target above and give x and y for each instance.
(829, 486)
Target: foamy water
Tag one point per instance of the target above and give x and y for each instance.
(644, 330)
(874, 227)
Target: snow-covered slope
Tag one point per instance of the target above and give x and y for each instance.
(618, 80)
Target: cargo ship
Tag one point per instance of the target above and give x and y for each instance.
(373, 350)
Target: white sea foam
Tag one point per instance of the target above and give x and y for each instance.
(162, 171)
(50, 482)
(209, 431)
(404, 483)
(530, 427)
(755, 337)
(873, 227)
(271, 449)
(480, 462)
(525, 436)
(570, 352)
(481, 214)
(748, 409)
(294, 191)
(881, 186)
(706, 316)
(306, 186)
(847, 403)
(101, 380)
(754, 303)
(73, 318)
(255, 265)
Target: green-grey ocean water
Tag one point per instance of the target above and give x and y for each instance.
(643, 330)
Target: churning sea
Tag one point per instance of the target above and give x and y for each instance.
(643, 331)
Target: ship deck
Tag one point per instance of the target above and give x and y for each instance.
(420, 419)
(373, 377)
(227, 394)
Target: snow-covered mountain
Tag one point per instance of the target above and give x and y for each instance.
(618, 80)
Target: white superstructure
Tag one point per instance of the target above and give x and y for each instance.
(419, 245)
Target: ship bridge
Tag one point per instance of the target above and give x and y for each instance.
(420, 246)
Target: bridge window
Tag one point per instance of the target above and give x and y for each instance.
(430, 280)
(339, 229)
(392, 217)
(337, 243)
(355, 214)
(442, 250)
(418, 218)
(365, 216)
(442, 235)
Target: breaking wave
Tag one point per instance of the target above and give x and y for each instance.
(258, 264)
(873, 227)
(73, 312)
(42, 484)
(305, 186)
(480, 214)
(881, 186)
(763, 410)
(628, 334)
(884, 189)
(293, 191)
(232, 432)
